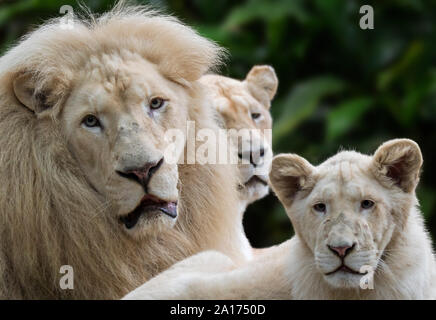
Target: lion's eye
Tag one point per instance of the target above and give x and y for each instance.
(367, 204)
(255, 115)
(320, 207)
(157, 103)
(91, 121)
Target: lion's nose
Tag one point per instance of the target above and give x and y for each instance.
(255, 157)
(341, 251)
(142, 174)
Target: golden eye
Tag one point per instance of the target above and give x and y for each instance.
(320, 207)
(367, 204)
(157, 103)
(91, 121)
(255, 115)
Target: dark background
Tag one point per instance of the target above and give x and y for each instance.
(340, 86)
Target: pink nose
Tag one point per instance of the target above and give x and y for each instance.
(141, 174)
(341, 251)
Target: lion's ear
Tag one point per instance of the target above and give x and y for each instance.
(289, 174)
(262, 83)
(24, 86)
(398, 162)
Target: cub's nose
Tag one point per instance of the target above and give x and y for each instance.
(342, 251)
(142, 174)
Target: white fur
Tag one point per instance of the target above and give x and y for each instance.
(405, 264)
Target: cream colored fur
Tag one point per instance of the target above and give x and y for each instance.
(389, 236)
(60, 196)
(244, 105)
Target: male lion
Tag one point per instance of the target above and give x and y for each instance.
(85, 180)
(359, 235)
(242, 106)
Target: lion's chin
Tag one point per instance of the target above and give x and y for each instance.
(344, 280)
(152, 225)
(254, 189)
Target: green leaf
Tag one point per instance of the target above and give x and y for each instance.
(346, 116)
(263, 10)
(302, 102)
(407, 61)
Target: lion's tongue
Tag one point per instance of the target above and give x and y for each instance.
(170, 208)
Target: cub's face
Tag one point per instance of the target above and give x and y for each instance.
(347, 209)
(114, 122)
(243, 107)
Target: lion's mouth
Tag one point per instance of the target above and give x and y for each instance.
(345, 269)
(149, 205)
(254, 180)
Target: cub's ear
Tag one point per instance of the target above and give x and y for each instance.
(24, 86)
(289, 174)
(398, 162)
(262, 83)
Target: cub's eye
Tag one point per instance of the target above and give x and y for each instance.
(367, 204)
(91, 121)
(320, 207)
(255, 115)
(157, 103)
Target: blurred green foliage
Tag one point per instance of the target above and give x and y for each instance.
(340, 86)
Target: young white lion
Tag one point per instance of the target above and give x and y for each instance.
(244, 105)
(359, 235)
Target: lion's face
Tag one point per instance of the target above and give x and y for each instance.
(111, 98)
(115, 126)
(349, 213)
(243, 106)
(347, 209)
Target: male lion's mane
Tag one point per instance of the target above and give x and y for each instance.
(49, 215)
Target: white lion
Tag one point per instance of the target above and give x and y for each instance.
(85, 180)
(359, 235)
(243, 105)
